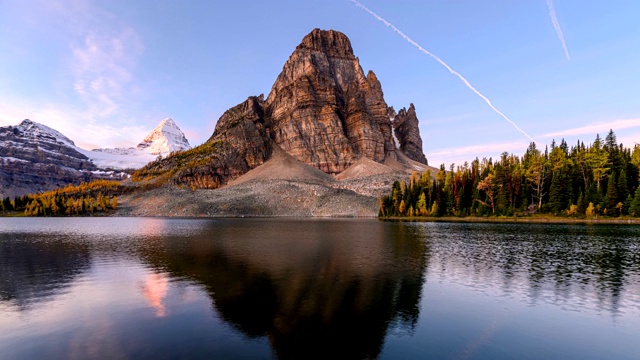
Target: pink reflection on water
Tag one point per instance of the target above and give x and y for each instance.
(154, 290)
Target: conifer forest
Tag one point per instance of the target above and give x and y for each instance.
(584, 181)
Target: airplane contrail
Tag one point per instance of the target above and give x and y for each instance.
(465, 81)
(556, 26)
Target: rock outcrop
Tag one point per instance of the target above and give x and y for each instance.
(324, 110)
(405, 126)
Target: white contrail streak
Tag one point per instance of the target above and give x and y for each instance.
(556, 26)
(408, 39)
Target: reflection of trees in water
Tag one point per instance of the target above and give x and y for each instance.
(34, 270)
(315, 289)
(565, 265)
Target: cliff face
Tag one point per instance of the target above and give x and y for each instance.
(324, 111)
(405, 125)
(239, 143)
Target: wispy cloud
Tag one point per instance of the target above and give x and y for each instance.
(102, 68)
(596, 128)
(441, 62)
(557, 28)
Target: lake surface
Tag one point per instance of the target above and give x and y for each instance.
(119, 288)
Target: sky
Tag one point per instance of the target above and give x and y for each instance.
(485, 76)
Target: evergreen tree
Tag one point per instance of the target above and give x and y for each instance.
(612, 194)
(623, 188)
(7, 204)
(581, 204)
(627, 204)
(634, 209)
(598, 159)
(555, 194)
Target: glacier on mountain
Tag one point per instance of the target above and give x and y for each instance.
(163, 140)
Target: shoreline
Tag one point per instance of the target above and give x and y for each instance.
(513, 220)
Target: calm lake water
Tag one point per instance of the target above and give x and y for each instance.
(137, 288)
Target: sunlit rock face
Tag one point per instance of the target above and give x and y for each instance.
(325, 111)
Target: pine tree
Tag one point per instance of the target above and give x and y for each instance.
(598, 159)
(7, 204)
(634, 209)
(623, 188)
(555, 194)
(581, 204)
(612, 194)
(627, 204)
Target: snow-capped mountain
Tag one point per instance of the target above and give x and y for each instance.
(163, 140)
(35, 157)
(37, 132)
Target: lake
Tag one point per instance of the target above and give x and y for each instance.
(121, 288)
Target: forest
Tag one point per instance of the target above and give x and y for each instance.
(600, 179)
(91, 198)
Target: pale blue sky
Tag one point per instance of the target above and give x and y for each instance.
(105, 73)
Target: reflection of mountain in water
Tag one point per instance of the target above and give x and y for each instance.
(33, 271)
(310, 290)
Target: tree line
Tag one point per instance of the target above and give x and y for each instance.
(98, 196)
(578, 181)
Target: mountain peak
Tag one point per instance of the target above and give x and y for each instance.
(45, 133)
(330, 42)
(164, 139)
(167, 122)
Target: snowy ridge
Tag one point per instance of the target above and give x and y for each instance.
(34, 130)
(118, 159)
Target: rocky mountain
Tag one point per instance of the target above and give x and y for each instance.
(322, 110)
(35, 157)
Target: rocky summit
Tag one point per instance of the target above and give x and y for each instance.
(322, 110)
